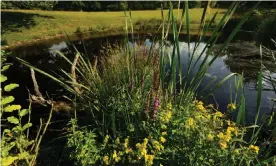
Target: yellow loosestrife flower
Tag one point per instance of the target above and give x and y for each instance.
(115, 156)
(254, 148)
(223, 144)
(231, 106)
(210, 137)
(190, 123)
(126, 143)
(149, 159)
(169, 106)
(164, 133)
(162, 139)
(106, 160)
(138, 145)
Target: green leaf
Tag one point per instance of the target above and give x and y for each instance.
(23, 112)
(4, 68)
(6, 131)
(13, 120)
(7, 100)
(6, 161)
(10, 87)
(28, 125)
(3, 78)
(12, 108)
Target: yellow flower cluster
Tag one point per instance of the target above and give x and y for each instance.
(158, 146)
(142, 148)
(199, 106)
(106, 160)
(231, 130)
(115, 156)
(210, 137)
(254, 148)
(162, 139)
(223, 139)
(190, 123)
(166, 115)
(231, 106)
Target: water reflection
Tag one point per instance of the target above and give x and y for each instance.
(46, 58)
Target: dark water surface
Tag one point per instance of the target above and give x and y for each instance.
(44, 57)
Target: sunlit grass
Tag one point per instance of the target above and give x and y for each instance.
(56, 22)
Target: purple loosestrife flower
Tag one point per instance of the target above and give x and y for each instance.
(156, 105)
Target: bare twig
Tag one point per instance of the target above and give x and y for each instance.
(36, 87)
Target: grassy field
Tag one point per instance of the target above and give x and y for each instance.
(26, 25)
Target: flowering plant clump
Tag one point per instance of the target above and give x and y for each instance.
(135, 122)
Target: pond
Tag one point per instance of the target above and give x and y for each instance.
(43, 56)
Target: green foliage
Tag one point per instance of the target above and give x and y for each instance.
(10, 87)
(16, 147)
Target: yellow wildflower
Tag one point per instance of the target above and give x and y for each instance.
(146, 141)
(106, 160)
(200, 103)
(223, 144)
(117, 141)
(189, 123)
(220, 135)
(138, 145)
(254, 148)
(230, 130)
(169, 115)
(227, 137)
(164, 133)
(126, 143)
(224, 137)
(115, 156)
(218, 114)
(143, 152)
(169, 106)
(231, 106)
(157, 145)
(149, 159)
(128, 150)
(162, 139)
(210, 137)
(201, 108)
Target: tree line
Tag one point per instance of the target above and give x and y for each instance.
(114, 5)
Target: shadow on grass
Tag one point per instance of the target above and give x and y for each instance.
(15, 21)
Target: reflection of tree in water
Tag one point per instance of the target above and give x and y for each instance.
(249, 67)
(244, 57)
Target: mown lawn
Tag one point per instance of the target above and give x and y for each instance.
(26, 25)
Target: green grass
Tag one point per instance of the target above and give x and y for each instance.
(26, 25)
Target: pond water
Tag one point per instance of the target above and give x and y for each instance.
(44, 57)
